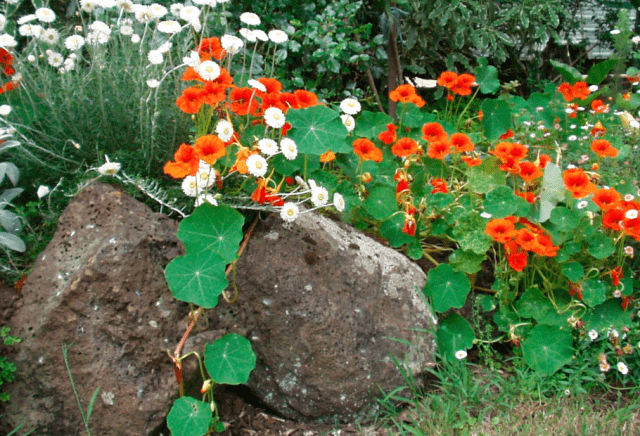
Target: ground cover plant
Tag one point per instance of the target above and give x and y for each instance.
(539, 193)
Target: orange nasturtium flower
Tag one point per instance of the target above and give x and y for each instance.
(463, 84)
(447, 79)
(461, 143)
(599, 107)
(529, 171)
(577, 181)
(471, 161)
(603, 148)
(327, 156)
(434, 132)
(185, 162)
(581, 90)
(405, 147)
(439, 149)
(517, 261)
(366, 150)
(501, 230)
(209, 148)
(190, 101)
(606, 198)
(566, 90)
(210, 47)
(402, 93)
(243, 101)
(439, 185)
(389, 136)
(240, 164)
(305, 99)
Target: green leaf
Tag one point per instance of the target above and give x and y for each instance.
(197, 278)
(599, 71)
(564, 219)
(467, 262)
(485, 177)
(487, 79)
(317, 129)
(547, 349)
(501, 202)
(594, 292)
(411, 115)
(552, 192)
(446, 287)
(189, 417)
(497, 118)
(230, 359)
(213, 228)
(12, 242)
(607, 315)
(381, 203)
(573, 271)
(470, 235)
(601, 246)
(534, 304)
(370, 125)
(568, 73)
(454, 334)
(391, 230)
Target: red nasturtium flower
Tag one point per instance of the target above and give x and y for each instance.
(439, 149)
(439, 185)
(447, 79)
(389, 136)
(529, 171)
(606, 198)
(599, 107)
(272, 85)
(305, 99)
(603, 148)
(509, 134)
(575, 289)
(501, 230)
(185, 163)
(543, 160)
(577, 181)
(403, 93)
(243, 101)
(517, 261)
(434, 132)
(612, 218)
(210, 47)
(471, 161)
(463, 84)
(190, 101)
(461, 143)
(405, 147)
(566, 90)
(409, 225)
(366, 150)
(616, 275)
(581, 90)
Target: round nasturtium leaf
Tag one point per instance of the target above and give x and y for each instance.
(212, 228)
(391, 230)
(496, 119)
(189, 417)
(573, 271)
(230, 359)
(381, 203)
(454, 334)
(197, 279)
(594, 292)
(317, 129)
(601, 246)
(547, 348)
(446, 288)
(501, 202)
(564, 219)
(371, 124)
(607, 315)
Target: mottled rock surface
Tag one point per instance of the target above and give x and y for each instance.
(322, 304)
(98, 287)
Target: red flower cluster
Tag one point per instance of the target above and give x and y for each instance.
(440, 144)
(406, 94)
(578, 182)
(6, 63)
(458, 84)
(579, 90)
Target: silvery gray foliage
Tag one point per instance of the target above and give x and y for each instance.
(9, 221)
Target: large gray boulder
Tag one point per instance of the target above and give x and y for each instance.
(324, 306)
(98, 287)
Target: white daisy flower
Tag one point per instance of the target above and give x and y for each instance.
(208, 70)
(461, 354)
(54, 59)
(631, 214)
(593, 335)
(165, 47)
(109, 168)
(175, 9)
(143, 14)
(124, 5)
(193, 60)
(289, 212)
(338, 202)
(190, 14)
(31, 58)
(278, 36)
(256, 85)
(622, 368)
(26, 19)
(257, 165)
(250, 19)
(135, 38)
(158, 11)
(628, 250)
(190, 186)
(628, 197)
(232, 44)
(50, 36)
(205, 176)
(69, 64)
(348, 121)
(30, 30)
(74, 42)
(153, 83)
(7, 41)
(5, 110)
(224, 130)
(274, 117)
(319, 196)
(169, 26)
(268, 146)
(248, 34)
(155, 57)
(615, 32)
(593, 88)
(107, 4)
(203, 198)
(126, 30)
(3, 21)
(289, 148)
(43, 191)
(261, 35)
(583, 204)
(89, 6)
(45, 15)
(350, 106)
